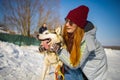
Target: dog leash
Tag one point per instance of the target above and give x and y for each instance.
(58, 74)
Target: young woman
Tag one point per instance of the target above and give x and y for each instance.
(83, 49)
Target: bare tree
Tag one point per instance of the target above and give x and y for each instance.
(26, 16)
(49, 13)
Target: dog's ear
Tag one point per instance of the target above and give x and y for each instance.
(58, 30)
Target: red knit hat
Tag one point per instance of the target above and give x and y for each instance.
(79, 15)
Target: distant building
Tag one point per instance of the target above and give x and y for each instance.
(4, 29)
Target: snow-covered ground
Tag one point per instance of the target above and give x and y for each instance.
(26, 63)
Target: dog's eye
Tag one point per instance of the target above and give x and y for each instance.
(54, 32)
(46, 33)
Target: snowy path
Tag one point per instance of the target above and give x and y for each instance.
(26, 63)
(113, 57)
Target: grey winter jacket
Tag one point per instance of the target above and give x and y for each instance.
(94, 61)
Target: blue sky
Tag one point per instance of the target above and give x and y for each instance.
(105, 15)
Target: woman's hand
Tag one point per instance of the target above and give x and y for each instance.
(55, 47)
(41, 48)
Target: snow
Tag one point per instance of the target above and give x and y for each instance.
(26, 63)
(113, 57)
(19, 63)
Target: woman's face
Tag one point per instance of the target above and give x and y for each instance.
(70, 26)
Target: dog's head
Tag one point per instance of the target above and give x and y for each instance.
(51, 37)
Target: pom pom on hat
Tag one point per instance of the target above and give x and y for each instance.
(79, 15)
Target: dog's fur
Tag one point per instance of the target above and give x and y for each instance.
(51, 59)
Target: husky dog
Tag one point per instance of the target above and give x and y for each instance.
(51, 59)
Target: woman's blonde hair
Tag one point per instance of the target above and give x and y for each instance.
(75, 48)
